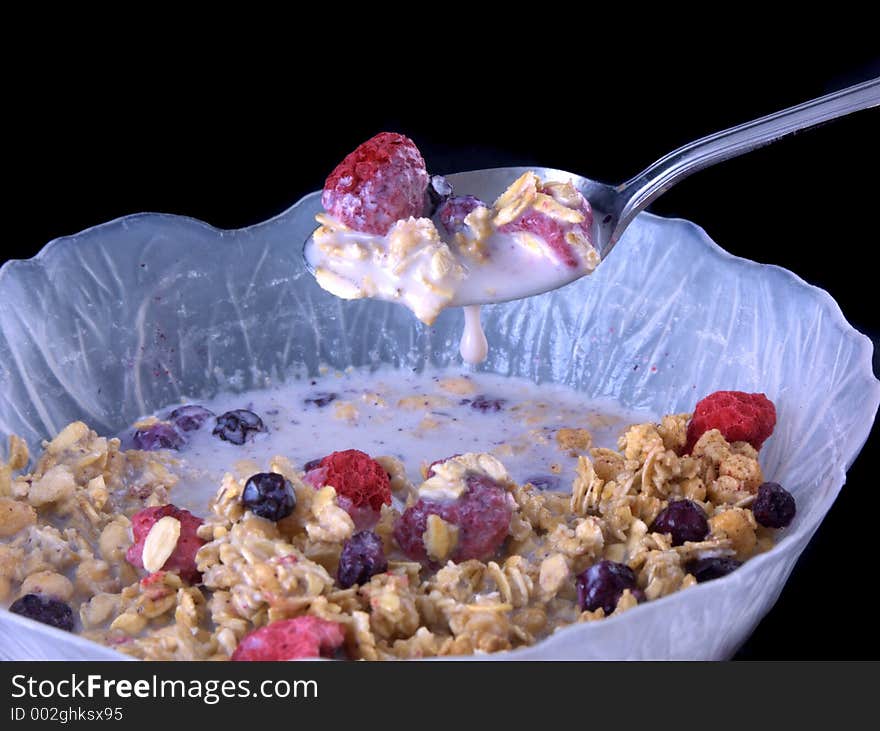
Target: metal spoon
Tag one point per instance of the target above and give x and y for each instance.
(615, 206)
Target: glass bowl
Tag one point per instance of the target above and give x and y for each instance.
(147, 310)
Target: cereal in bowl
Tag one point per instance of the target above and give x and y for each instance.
(356, 554)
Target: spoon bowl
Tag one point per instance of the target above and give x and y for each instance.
(614, 207)
(487, 185)
(491, 183)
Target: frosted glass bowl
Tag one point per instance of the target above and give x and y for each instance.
(141, 312)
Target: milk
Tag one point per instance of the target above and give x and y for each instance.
(416, 417)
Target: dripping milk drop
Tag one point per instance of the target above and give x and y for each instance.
(474, 347)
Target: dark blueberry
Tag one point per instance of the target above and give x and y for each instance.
(485, 403)
(313, 464)
(455, 210)
(439, 189)
(269, 495)
(684, 519)
(190, 418)
(321, 399)
(362, 557)
(160, 435)
(774, 507)
(706, 569)
(544, 482)
(45, 609)
(235, 426)
(602, 584)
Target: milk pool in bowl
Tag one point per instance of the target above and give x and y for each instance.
(536, 431)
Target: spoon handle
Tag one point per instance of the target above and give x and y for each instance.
(637, 193)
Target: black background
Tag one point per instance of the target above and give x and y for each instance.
(234, 147)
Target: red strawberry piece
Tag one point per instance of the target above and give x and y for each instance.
(360, 481)
(552, 231)
(482, 515)
(291, 639)
(183, 560)
(152, 579)
(740, 417)
(379, 183)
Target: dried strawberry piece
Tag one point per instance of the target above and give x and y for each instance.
(382, 181)
(739, 416)
(360, 481)
(153, 579)
(291, 639)
(183, 560)
(482, 515)
(552, 231)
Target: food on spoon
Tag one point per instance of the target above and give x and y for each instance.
(379, 238)
(383, 181)
(553, 215)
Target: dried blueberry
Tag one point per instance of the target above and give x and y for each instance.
(485, 403)
(544, 482)
(269, 495)
(159, 435)
(321, 399)
(362, 557)
(45, 609)
(684, 520)
(235, 426)
(455, 210)
(774, 506)
(439, 189)
(706, 569)
(190, 418)
(312, 464)
(602, 584)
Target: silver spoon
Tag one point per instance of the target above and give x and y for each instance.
(615, 206)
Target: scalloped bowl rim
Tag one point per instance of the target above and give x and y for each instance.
(865, 378)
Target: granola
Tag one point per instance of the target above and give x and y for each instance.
(471, 558)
